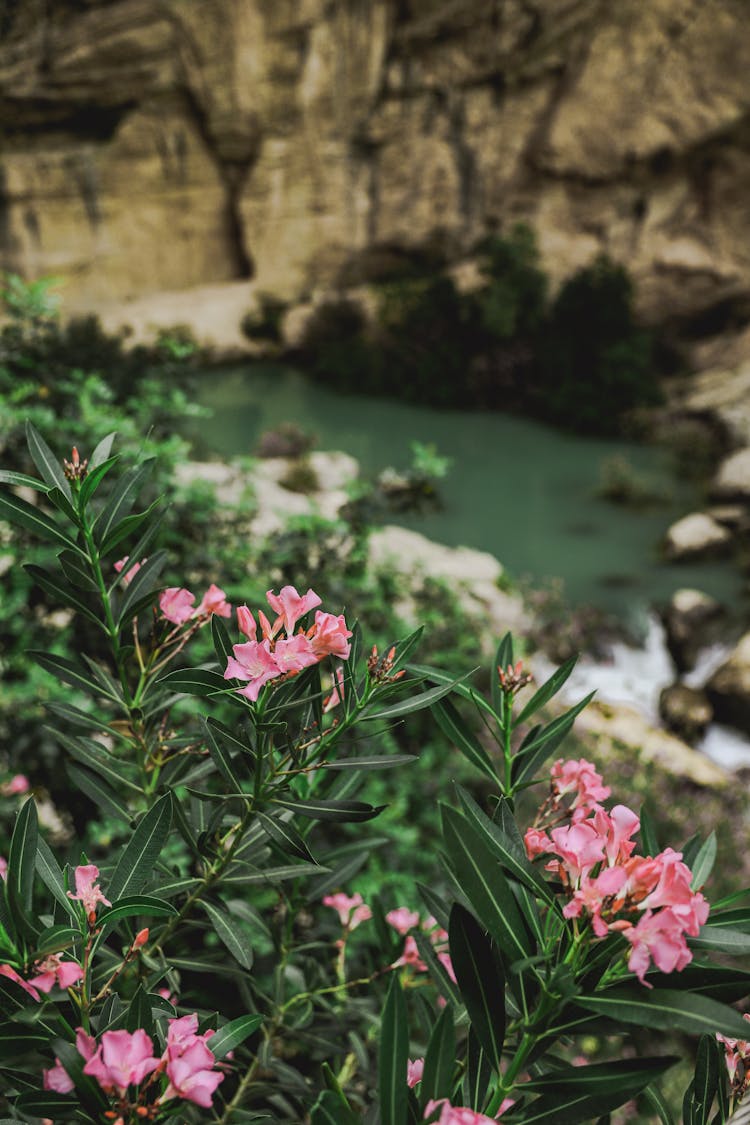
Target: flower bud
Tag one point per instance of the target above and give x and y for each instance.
(140, 939)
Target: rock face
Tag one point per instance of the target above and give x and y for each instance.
(696, 535)
(691, 621)
(686, 711)
(168, 144)
(729, 687)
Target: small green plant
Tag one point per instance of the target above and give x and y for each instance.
(620, 483)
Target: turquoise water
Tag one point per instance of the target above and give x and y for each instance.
(517, 488)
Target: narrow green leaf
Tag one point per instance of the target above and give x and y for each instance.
(15, 1039)
(503, 657)
(93, 479)
(649, 838)
(102, 451)
(50, 873)
(46, 462)
(221, 639)
(393, 1057)
(21, 480)
(440, 1060)
(61, 593)
(120, 502)
(344, 811)
(480, 981)
(17, 511)
(722, 939)
(546, 692)
(221, 757)
(478, 1071)
(528, 760)
(233, 1034)
(243, 875)
(617, 1076)
(96, 758)
(77, 571)
(136, 864)
(141, 587)
(453, 727)
(440, 975)
(654, 1099)
(19, 880)
(709, 1065)
(99, 792)
(666, 1010)
(384, 762)
(125, 529)
(286, 836)
(196, 681)
(704, 862)
(229, 933)
(414, 702)
(485, 886)
(46, 1103)
(54, 939)
(69, 673)
(135, 906)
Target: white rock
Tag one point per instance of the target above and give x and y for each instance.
(733, 478)
(695, 534)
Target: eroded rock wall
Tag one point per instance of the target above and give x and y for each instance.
(162, 144)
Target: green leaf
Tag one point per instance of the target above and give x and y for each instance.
(69, 673)
(17, 511)
(393, 1057)
(384, 762)
(286, 836)
(93, 755)
(141, 587)
(49, 871)
(649, 838)
(120, 502)
(618, 1076)
(77, 571)
(485, 886)
(653, 1099)
(94, 478)
(247, 876)
(344, 811)
(99, 792)
(329, 1110)
(20, 480)
(46, 1103)
(137, 862)
(232, 1034)
(547, 691)
(55, 938)
(125, 529)
(666, 1010)
(440, 975)
(722, 939)
(46, 462)
(19, 881)
(102, 451)
(453, 727)
(709, 1066)
(196, 681)
(221, 639)
(528, 760)
(415, 702)
(478, 1072)
(704, 862)
(440, 1059)
(221, 757)
(229, 933)
(480, 980)
(135, 906)
(17, 1039)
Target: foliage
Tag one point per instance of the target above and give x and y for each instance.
(265, 322)
(620, 483)
(129, 974)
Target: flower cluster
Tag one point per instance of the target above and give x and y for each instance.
(648, 899)
(403, 921)
(462, 1115)
(737, 1054)
(123, 1059)
(350, 908)
(280, 651)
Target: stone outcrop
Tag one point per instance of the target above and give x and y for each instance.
(161, 144)
(696, 535)
(686, 711)
(691, 621)
(729, 687)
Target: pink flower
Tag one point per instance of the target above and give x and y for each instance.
(294, 654)
(17, 785)
(351, 910)
(617, 827)
(246, 622)
(57, 1079)
(291, 606)
(131, 572)
(182, 1033)
(213, 601)
(3, 868)
(337, 695)
(410, 956)
(461, 1115)
(9, 972)
(580, 847)
(592, 895)
(445, 961)
(85, 1044)
(402, 919)
(414, 1072)
(659, 937)
(123, 1059)
(537, 842)
(331, 636)
(673, 890)
(64, 974)
(191, 1074)
(581, 779)
(87, 890)
(254, 662)
(176, 604)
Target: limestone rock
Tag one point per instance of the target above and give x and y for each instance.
(729, 687)
(686, 711)
(690, 622)
(732, 481)
(694, 535)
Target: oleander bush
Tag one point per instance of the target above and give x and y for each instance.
(208, 959)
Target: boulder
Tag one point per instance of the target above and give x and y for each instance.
(691, 621)
(732, 481)
(696, 535)
(729, 687)
(686, 711)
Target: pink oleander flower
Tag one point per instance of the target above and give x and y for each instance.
(254, 662)
(330, 636)
(291, 606)
(87, 889)
(537, 842)
(191, 1074)
(593, 895)
(57, 1079)
(351, 910)
(214, 601)
(337, 695)
(122, 1059)
(246, 622)
(447, 963)
(53, 972)
(410, 956)
(9, 972)
(414, 1072)
(16, 786)
(3, 868)
(130, 572)
(402, 919)
(461, 1115)
(737, 1056)
(579, 778)
(673, 890)
(176, 604)
(658, 937)
(616, 827)
(294, 654)
(182, 1033)
(580, 847)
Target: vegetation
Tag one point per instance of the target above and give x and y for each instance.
(579, 361)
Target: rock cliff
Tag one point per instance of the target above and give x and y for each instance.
(163, 144)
